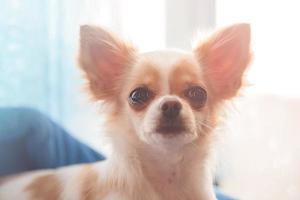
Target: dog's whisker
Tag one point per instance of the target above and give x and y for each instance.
(205, 125)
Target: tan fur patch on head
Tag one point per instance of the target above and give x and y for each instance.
(147, 74)
(185, 73)
(46, 187)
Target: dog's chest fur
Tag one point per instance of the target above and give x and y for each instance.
(108, 181)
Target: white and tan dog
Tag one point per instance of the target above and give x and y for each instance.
(161, 110)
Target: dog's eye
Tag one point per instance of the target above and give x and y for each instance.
(139, 96)
(196, 95)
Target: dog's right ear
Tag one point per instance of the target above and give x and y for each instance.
(105, 59)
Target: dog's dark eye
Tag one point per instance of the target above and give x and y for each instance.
(139, 96)
(196, 95)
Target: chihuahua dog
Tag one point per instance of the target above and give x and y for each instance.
(162, 108)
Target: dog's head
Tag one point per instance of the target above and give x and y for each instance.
(165, 97)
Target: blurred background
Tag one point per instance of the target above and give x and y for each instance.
(260, 151)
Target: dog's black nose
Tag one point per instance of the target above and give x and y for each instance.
(171, 109)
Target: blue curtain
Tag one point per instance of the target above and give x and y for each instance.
(37, 55)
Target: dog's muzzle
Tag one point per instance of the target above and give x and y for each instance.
(170, 121)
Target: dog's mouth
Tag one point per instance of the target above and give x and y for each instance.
(171, 127)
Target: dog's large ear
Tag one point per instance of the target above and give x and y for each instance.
(105, 59)
(225, 56)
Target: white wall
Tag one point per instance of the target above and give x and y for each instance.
(261, 157)
(184, 19)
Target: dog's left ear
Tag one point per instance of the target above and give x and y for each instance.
(225, 56)
(105, 59)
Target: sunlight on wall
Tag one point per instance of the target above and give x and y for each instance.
(141, 22)
(276, 41)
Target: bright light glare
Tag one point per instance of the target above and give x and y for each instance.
(144, 21)
(276, 41)
(141, 22)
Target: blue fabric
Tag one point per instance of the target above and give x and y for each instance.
(221, 196)
(29, 140)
